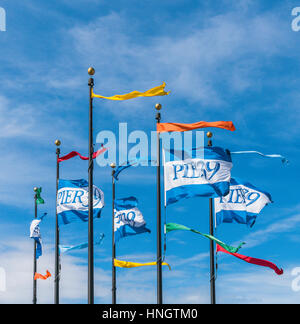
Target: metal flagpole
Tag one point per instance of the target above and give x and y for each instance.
(212, 247)
(159, 256)
(114, 283)
(91, 72)
(34, 301)
(57, 261)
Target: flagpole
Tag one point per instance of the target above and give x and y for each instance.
(34, 301)
(159, 256)
(114, 282)
(57, 261)
(212, 247)
(91, 72)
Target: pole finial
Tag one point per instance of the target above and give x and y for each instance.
(209, 134)
(57, 142)
(91, 71)
(113, 165)
(158, 106)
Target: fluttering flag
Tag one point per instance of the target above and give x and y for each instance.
(40, 276)
(74, 153)
(207, 175)
(157, 91)
(39, 199)
(242, 205)
(42, 217)
(120, 168)
(67, 248)
(129, 164)
(175, 227)
(179, 127)
(276, 156)
(255, 261)
(72, 201)
(126, 264)
(128, 218)
(35, 233)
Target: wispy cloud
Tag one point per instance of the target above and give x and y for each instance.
(283, 226)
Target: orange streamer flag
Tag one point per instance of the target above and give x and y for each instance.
(178, 127)
(39, 276)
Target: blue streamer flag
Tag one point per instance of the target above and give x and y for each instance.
(242, 205)
(128, 218)
(129, 164)
(67, 248)
(277, 156)
(72, 201)
(206, 175)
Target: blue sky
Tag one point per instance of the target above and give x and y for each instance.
(222, 60)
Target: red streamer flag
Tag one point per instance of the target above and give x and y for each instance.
(178, 127)
(259, 262)
(74, 153)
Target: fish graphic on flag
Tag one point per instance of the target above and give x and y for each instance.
(128, 218)
(203, 172)
(72, 201)
(242, 204)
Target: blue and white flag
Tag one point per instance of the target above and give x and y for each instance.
(67, 248)
(206, 175)
(242, 204)
(128, 218)
(35, 233)
(72, 201)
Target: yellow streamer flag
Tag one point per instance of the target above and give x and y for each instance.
(126, 264)
(157, 91)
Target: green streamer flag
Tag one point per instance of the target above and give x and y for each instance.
(174, 227)
(39, 199)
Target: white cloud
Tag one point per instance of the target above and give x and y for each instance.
(184, 284)
(230, 50)
(282, 226)
(256, 287)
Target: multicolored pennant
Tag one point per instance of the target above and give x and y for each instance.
(259, 262)
(175, 227)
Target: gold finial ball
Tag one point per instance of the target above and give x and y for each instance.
(158, 106)
(113, 165)
(91, 71)
(57, 142)
(35, 189)
(209, 134)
